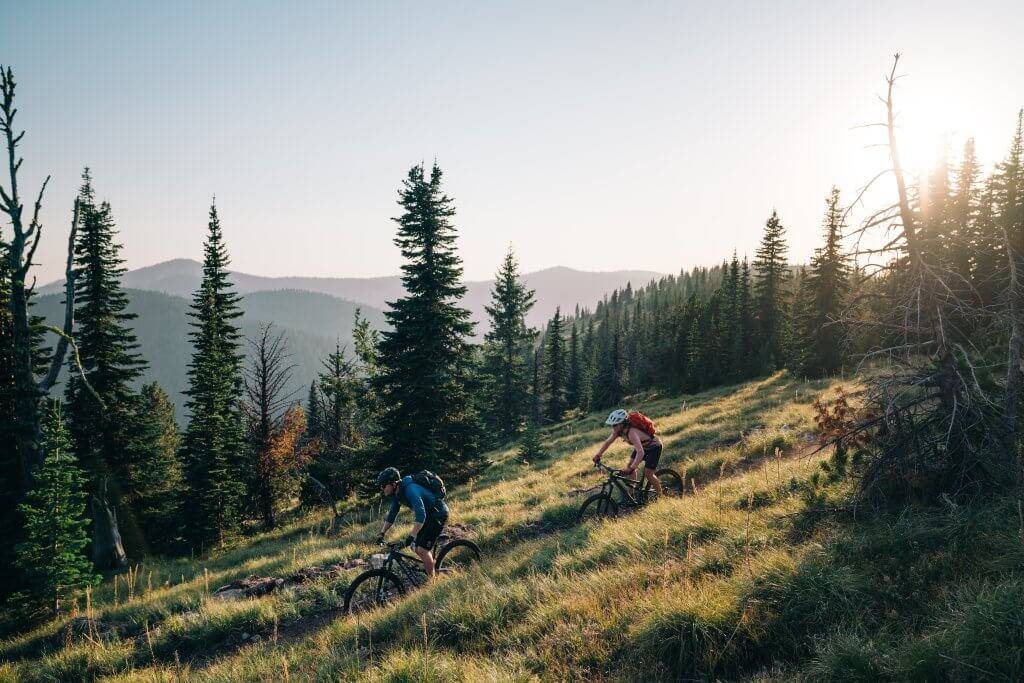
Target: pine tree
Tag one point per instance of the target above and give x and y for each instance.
(102, 433)
(746, 313)
(507, 349)
(531, 446)
(154, 472)
(425, 360)
(733, 340)
(1008, 190)
(826, 286)
(697, 345)
(365, 340)
(587, 367)
(314, 419)
(574, 390)
(1008, 204)
(555, 370)
(52, 557)
(337, 461)
(608, 384)
(536, 390)
(212, 449)
(964, 215)
(771, 269)
(10, 470)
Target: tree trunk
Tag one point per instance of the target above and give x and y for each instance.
(1011, 397)
(107, 548)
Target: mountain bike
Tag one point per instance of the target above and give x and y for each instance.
(394, 572)
(632, 493)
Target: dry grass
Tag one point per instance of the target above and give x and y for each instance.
(751, 575)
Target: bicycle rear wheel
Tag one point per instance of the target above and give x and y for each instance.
(671, 482)
(372, 589)
(598, 506)
(457, 555)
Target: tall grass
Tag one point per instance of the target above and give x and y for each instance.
(760, 571)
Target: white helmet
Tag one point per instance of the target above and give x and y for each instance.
(616, 417)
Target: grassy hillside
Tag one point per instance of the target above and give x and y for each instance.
(762, 571)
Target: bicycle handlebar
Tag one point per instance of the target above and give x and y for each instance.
(610, 470)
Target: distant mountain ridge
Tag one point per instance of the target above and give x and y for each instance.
(313, 324)
(557, 286)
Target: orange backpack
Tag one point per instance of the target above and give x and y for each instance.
(641, 422)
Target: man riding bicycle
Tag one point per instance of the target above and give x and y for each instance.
(430, 510)
(646, 446)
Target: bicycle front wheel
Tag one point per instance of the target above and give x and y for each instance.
(598, 506)
(372, 589)
(457, 555)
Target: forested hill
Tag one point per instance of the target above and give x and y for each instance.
(558, 286)
(313, 323)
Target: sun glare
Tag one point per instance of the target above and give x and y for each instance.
(929, 129)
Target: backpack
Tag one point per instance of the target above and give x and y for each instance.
(641, 422)
(431, 482)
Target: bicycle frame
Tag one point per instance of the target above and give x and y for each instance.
(407, 563)
(615, 481)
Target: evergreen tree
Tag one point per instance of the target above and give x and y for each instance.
(587, 367)
(746, 314)
(102, 433)
(337, 461)
(10, 470)
(826, 286)
(154, 469)
(507, 349)
(425, 359)
(771, 269)
(531, 446)
(212, 449)
(608, 384)
(733, 340)
(1008, 191)
(698, 341)
(535, 387)
(968, 238)
(365, 340)
(555, 370)
(314, 419)
(52, 556)
(574, 390)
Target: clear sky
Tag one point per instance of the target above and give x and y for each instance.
(596, 135)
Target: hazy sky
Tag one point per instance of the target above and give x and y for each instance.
(595, 135)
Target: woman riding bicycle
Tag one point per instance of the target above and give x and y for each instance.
(646, 445)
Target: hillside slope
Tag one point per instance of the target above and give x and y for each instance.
(555, 287)
(760, 572)
(313, 323)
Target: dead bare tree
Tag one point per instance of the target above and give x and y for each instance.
(934, 422)
(266, 382)
(19, 254)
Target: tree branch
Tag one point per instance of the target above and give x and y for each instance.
(69, 314)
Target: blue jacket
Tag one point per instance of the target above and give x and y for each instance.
(418, 499)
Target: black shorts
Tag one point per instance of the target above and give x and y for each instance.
(652, 455)
(432, 527)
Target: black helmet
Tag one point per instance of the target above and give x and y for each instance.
(389, 475)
